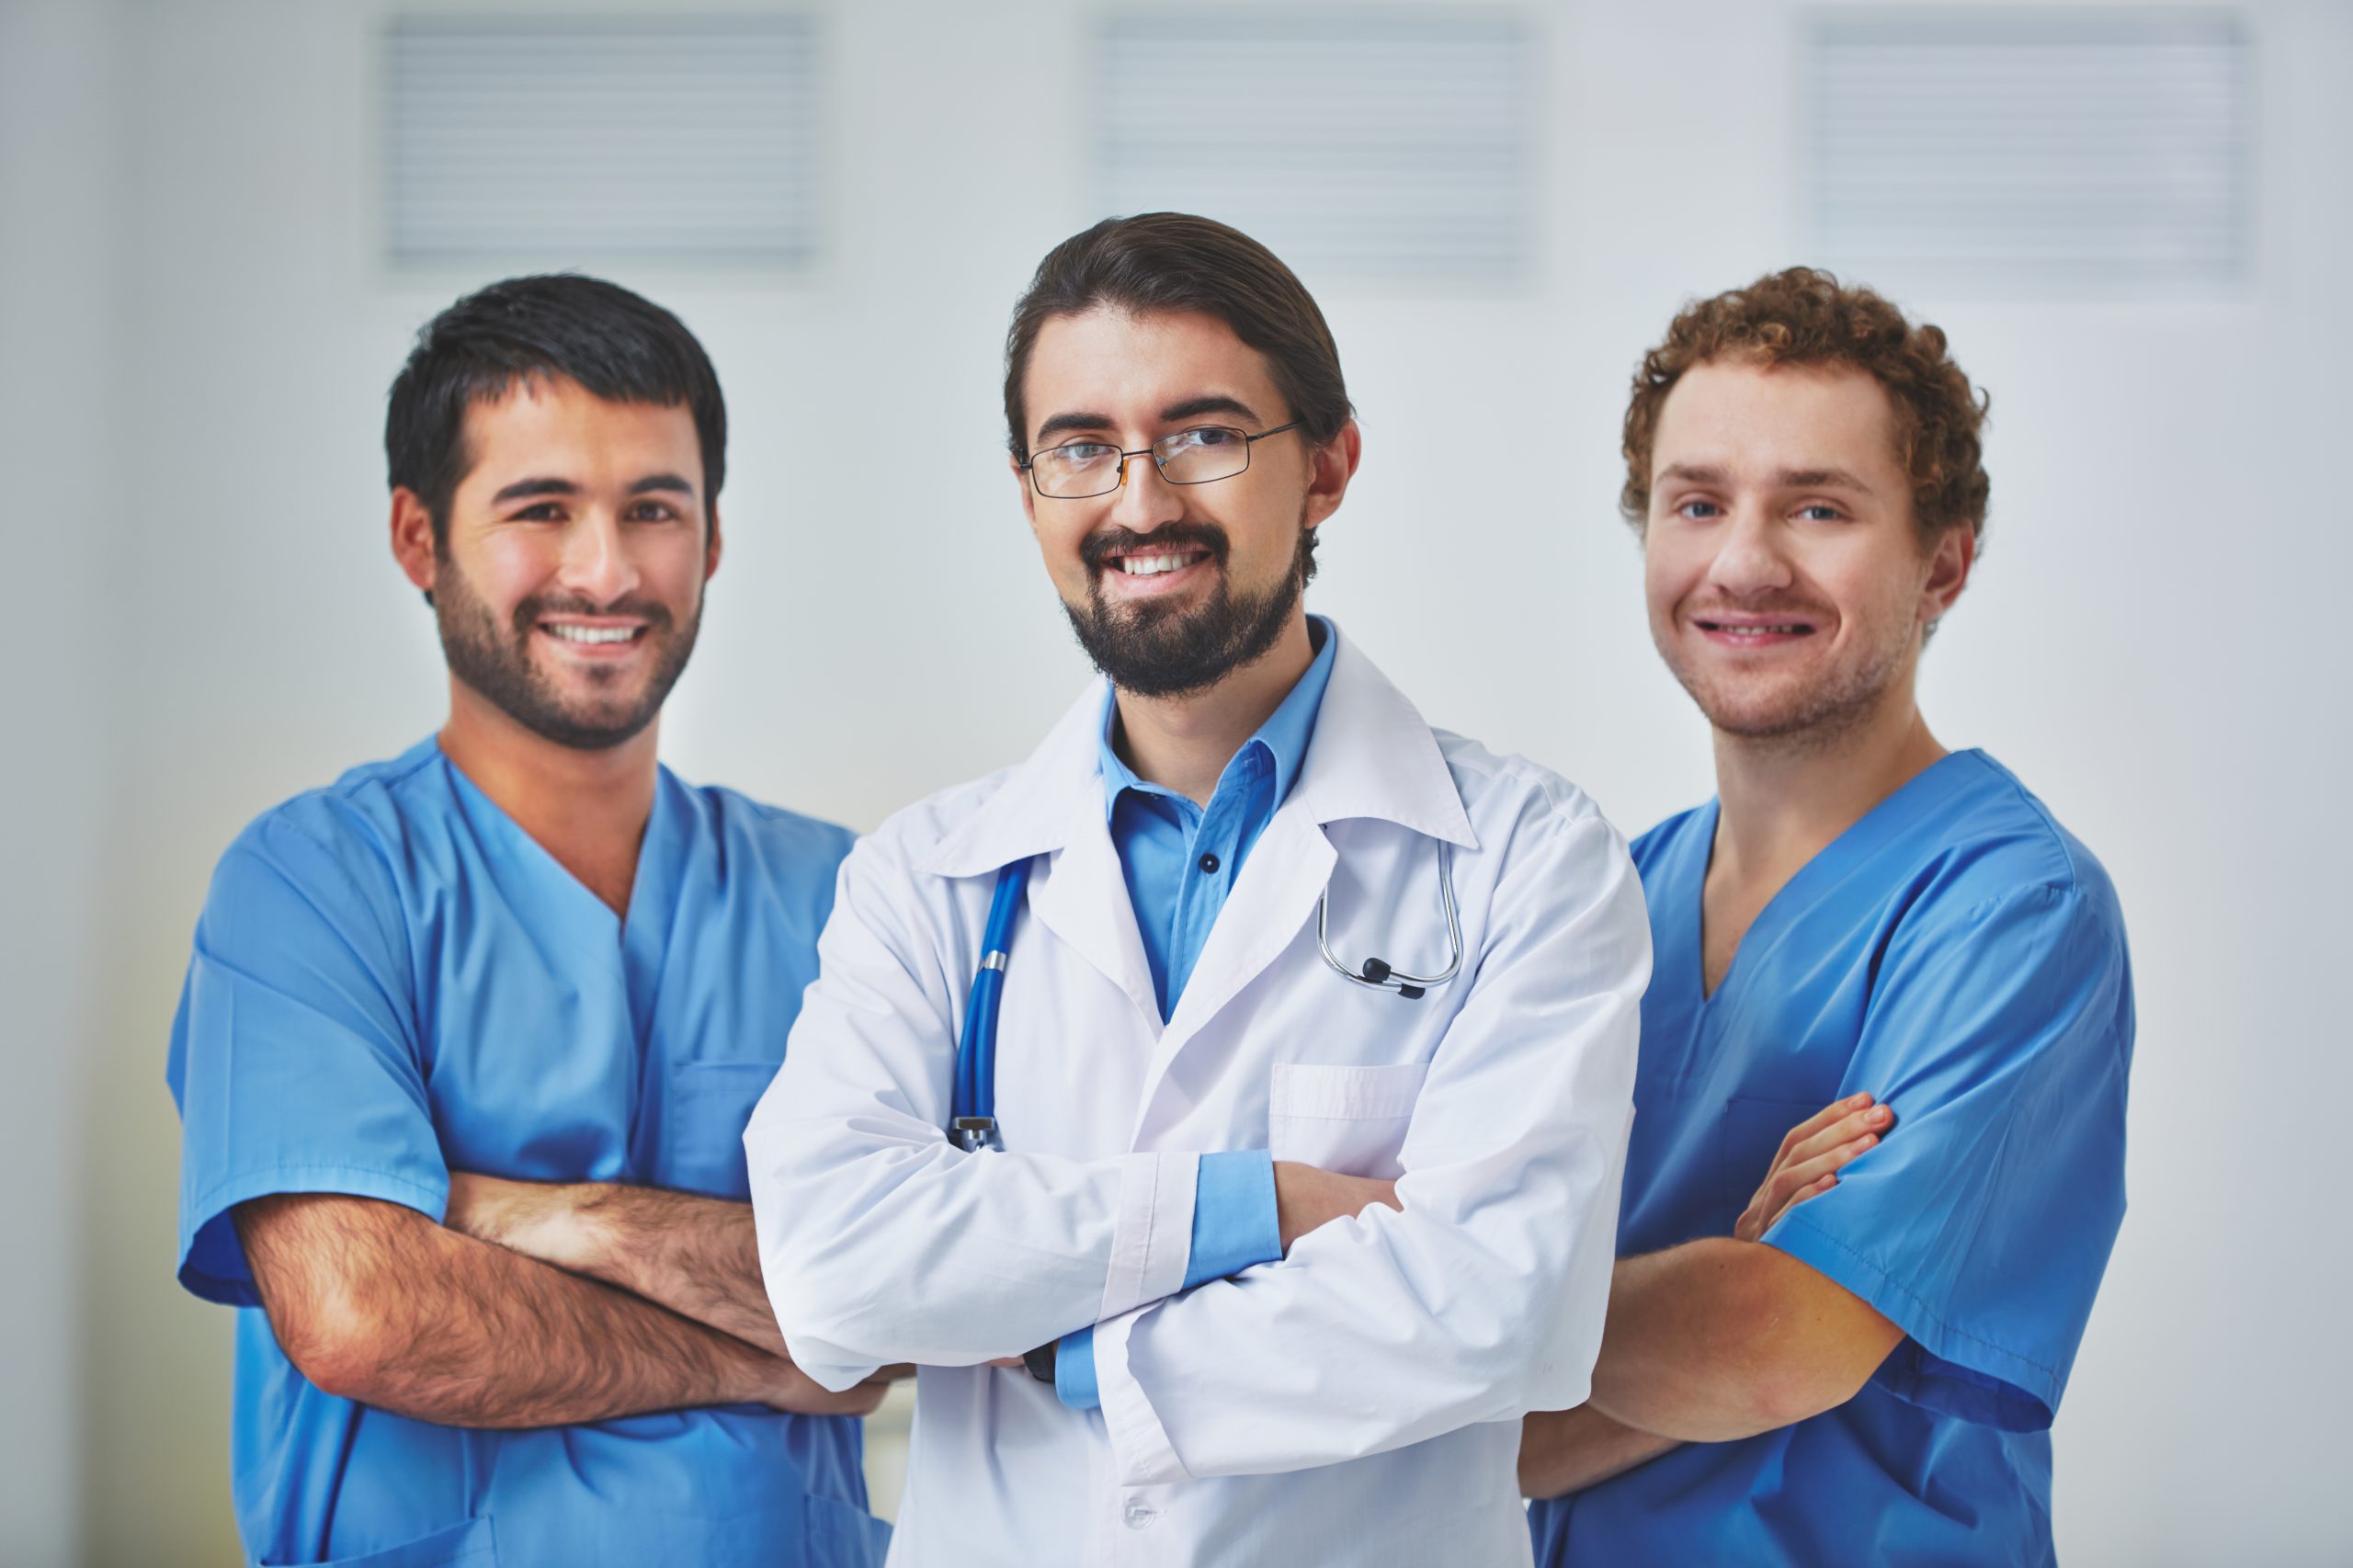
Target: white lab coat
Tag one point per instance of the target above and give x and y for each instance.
(1357, 1403)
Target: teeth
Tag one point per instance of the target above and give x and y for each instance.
(1151, 566)
(592, 633)
(1760, 630)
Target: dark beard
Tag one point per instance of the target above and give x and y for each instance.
(1152, 650)
(483, 656)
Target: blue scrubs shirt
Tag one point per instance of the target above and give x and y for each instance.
(392, 980)
(1958, 955)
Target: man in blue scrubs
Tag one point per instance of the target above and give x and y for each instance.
(518, 984)
(1878, 1150)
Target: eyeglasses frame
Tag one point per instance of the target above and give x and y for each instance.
(1250, 443)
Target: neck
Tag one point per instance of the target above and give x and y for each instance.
(1783, 798)
(587, 809)
(1184, 742)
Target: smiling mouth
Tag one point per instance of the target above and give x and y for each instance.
(1756, 629)
(594, 635)
(1155, 562)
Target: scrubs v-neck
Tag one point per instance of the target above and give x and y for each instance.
(391, 980)
(1960, 956)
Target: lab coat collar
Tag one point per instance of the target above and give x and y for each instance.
(1372, 756)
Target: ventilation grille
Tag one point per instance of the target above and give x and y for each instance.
(1389, 147)
(2014, 151)
(559, 141)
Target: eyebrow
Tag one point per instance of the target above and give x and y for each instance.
(1788, 479)
(1188, 408)
(524, 489)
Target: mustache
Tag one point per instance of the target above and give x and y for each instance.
(537, 607)
(1097, 549)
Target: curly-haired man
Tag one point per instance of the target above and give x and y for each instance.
(1886, 981)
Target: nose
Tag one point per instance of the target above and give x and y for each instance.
(1144, 500)
(1749, 559)
(596, 561)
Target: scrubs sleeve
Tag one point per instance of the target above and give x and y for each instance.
(294, 1059)
(1982, 1224)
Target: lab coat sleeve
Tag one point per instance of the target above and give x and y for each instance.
(883, 1242)
(2001, 1035)
(294, 1059)
(1483, 1299)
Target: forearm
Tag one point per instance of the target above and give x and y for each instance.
(1721, 1339)
(698, 1256)
(395, 1311)
(1567, 1450)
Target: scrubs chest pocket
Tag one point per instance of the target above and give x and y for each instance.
(1350, 1119)
(1748, 1138)
(710, 1104)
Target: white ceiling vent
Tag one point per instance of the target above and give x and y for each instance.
(2021, 150)
(1382, 145)
(579, 140)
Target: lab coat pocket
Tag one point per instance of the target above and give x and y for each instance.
(1350, 1119)
(467, 1545)
(710, 1104)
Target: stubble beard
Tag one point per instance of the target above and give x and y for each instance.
(495, 662)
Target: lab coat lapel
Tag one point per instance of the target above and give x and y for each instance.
(1083, 901)
(1051, 804)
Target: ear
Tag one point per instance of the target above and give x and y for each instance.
(711, 550)
(1335, 465)
(1950, 560)
(412, 539)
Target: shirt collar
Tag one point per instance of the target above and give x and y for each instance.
(1284, 736)
(1374, 756)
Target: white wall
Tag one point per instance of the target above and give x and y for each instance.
(215, 622)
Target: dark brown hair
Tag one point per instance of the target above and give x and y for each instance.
(1172, 261)
(1804, 316)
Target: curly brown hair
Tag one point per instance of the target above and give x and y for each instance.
(1805, 316)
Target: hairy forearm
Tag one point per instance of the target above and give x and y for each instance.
(698, 1257)
(376, 1302)
(1722, 1339)
(1567, 1450)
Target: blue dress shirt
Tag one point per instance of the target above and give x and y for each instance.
(1180, 861)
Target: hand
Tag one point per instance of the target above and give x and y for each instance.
(1306, 1197)
(1808, 1162)
(530, 1217)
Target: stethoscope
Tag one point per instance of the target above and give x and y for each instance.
(973, 1126)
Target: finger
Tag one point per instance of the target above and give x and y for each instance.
(1762, 1218)
(1802, 1174)
(1870, 1119)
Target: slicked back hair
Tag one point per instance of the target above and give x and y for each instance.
(619, 345)
(1173, 262)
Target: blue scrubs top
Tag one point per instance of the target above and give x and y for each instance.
(1958, 955)
(392, 980)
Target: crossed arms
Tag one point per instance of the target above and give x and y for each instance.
(604, 1302)
(1721, 1338)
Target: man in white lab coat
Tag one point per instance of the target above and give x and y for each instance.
(1318, 1024)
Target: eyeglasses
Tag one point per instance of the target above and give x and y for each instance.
(1078, 470)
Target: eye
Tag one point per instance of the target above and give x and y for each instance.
(652, 512)
(1698, 511)
(1078, 454)
(539, 512)
(1215, 435)
(1820, 512)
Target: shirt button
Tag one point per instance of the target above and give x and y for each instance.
(1140, 1517)
(1209, 865)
